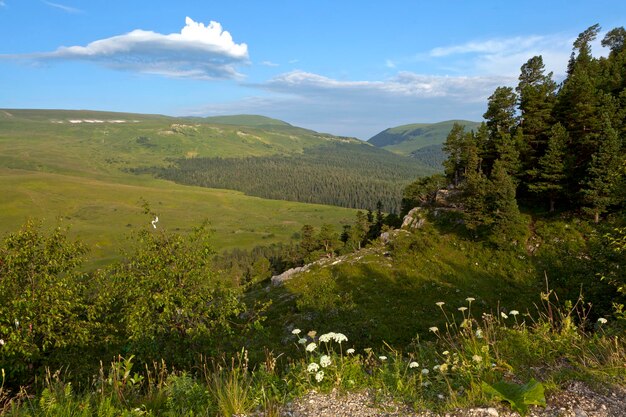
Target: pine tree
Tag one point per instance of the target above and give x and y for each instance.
(329, 239)
(599, 188)
(537, 96)
(475, 189)
(501, 121)
(549, 175)
(502, 205)
(453, 147)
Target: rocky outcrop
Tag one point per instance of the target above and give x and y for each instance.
(447, 197)
(415, 219)
(288, 274)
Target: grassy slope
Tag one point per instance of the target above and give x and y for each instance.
(77, 172)
(388, 293)
(407, 139)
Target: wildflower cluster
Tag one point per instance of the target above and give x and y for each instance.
(323, 365)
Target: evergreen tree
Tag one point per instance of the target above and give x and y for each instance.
(604, 174)
(501, 121)
(475, 190)
(502, 205)
(550, 174)
(453, 147)
(357, 234)
(329, 240)
(537, 96)
(308, 241)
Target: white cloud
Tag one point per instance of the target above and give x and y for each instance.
(403, 84)
(66, 9)
(269, 64)
(389, 63)
(2, 3)
(505, 56)
(198, 51)
(363, 108)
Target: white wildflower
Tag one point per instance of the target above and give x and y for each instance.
(296, 331)
(503, 314)
(445, 352)
(602, 320)
(425, 383)
(462, 309)
(350, 351)
(313, 367)
(1, 342)
(340, 337)
(311, 347)
(325, 361)
(17, 323)
(382, 358)
(433, 329)
(514, 312)
(443, 368)
(319, 376)
(479, 333)
(425, 371)
(302, 341)
(439, 303)
(440, 396)
(414, 365)
(327, 337)
(436, 367)
(477, 358)
(470, 299)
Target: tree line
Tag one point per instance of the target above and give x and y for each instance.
(345, 174)
(544, 145)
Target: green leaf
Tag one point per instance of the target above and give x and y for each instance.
(518, 396)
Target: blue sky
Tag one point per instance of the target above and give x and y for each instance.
(345, 67)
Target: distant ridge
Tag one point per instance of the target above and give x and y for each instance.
(421, 141)
(246, 120)
(407, 139)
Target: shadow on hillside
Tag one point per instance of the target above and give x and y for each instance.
(374, 302)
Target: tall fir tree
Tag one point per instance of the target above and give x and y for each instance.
(500, 120)
(599, 188)
(537, 96)
(453, 147)
(548, 177)
(502, 204)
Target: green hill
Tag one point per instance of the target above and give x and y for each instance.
(72, 168)
(246, 120)
(407, 139)
(79, 168)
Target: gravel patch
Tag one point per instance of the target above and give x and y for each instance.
(576, 400)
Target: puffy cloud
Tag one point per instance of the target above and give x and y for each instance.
(198, 51)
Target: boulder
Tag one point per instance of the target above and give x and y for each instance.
(415, 218)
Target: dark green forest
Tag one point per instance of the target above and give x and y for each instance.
(545, 146)
(346, 174)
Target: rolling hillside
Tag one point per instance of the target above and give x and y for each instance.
(421, 141)
(78, 168)
(71, 168)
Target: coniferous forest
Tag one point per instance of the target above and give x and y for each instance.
(544, 145)
(341, 174)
